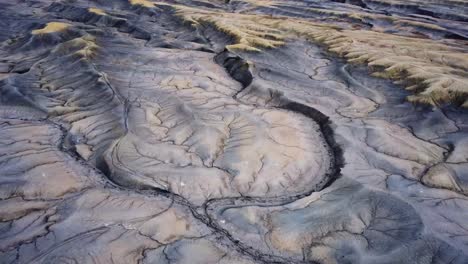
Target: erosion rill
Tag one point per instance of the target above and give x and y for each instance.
(242, 131)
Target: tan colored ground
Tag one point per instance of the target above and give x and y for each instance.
(51, 27)
(96, 11)
(145, 3)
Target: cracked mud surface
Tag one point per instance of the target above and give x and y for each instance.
(154, 132)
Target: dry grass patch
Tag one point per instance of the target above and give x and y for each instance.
(51, 27)
(144, 3)
(436, 72)
(363, 17)
(250, 32)
(85, 46)
(97, 11)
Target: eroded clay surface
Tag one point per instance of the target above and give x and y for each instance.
(130, 134)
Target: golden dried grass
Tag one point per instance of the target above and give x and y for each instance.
(145, 3)
(97, 11)
(51, 27)
(434, 71)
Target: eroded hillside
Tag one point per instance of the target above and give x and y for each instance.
(141, 131)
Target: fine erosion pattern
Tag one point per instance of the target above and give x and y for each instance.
(241, 131)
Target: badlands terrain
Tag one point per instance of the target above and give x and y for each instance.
(242, 131)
